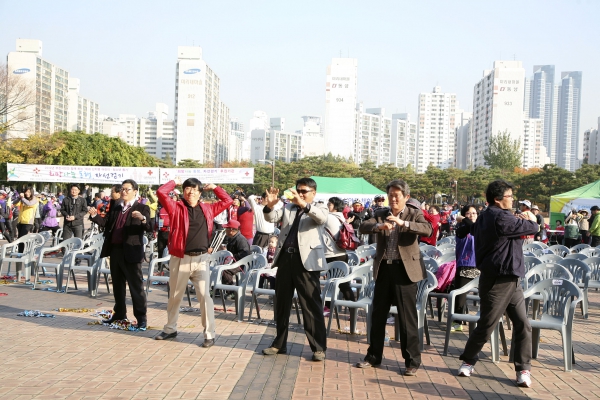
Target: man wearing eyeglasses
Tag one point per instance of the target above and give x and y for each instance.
(191, 229)
(300, 258)
(499, 257)
(124, 228)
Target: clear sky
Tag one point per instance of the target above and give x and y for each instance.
(272, 55)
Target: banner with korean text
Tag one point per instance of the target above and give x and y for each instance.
(81, 174)
(209, 175)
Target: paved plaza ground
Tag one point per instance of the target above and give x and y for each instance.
(66, 357)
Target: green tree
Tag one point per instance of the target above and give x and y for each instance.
(503, 153)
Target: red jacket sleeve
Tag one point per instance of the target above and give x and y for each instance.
(223, 204)
(163, 196)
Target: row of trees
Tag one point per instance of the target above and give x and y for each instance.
(76, 148)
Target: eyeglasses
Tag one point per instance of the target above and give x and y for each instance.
(303, 191)
(126, 190)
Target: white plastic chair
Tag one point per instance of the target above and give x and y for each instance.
(43, 261)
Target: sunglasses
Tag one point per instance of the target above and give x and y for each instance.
(303, 191)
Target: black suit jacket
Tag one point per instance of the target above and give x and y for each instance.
(133, 244)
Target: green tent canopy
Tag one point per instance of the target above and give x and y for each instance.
(583, 197)
(345, 188)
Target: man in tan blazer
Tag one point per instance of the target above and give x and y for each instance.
(300, 258)
(397, 268)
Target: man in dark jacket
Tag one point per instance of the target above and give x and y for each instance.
(124, 227)
(237, 245)
(499, 256)
(73, 208)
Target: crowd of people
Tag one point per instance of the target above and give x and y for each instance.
(299, 237)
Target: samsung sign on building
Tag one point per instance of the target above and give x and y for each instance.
(21, 71)
(190, 71)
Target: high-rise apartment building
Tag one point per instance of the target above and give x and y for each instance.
(462, 130)
(340, 107)
(83, 114)
(275, 145)
(373, 136)
(568, 145)
(591, 145)
(497, 107)
(236, 141)
(125, 127)
(313, 143)
(48, 85)
(201, 119)
(540, 103)
(534, 152)
(156, 133)
(435, 137)
(403, 141)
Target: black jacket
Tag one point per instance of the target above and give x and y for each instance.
(238, 246)
(133, 245)
(498, 243)
(78, 209)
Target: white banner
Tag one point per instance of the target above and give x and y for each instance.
(209, 175)
(81, 174)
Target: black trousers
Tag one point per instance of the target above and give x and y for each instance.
(123, 273)
(394, 286)
(291, 275)
(595, 241)
(261, 239)
(69, 231)
(162, 238)
(5, 227)
(571, 242)
(23, 229)
(498, 295)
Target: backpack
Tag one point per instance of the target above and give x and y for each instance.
(347, 239)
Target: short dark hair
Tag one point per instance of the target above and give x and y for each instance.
(338, 204)
(495, 191)
(72, 185)
(558, 220)
(117, 187)
(307, 182)
(463, 211)
(400, 185)
(193, 183)
(133, 183)
(98, 196)
(435, 207)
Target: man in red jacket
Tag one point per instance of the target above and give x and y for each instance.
(189, 240)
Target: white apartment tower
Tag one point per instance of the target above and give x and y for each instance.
(156, 133)
(49, 85)
(275, 145)
(340, 107)
(403, 143)
(125, 127)
(436, 135)
(497, 107)
(373, 136)
(201, 119)
(540, 103)
(568, 145)
(462, 131)
(83, 114)
(313, 143)
(591, 145)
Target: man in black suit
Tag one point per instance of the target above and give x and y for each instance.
(124, 227)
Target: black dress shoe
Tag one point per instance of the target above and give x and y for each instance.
(368, 362)
(164, 335)
(208, 343)
(410, 371)
(142, 326)
(112, 319)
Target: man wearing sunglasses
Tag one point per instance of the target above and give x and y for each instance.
(124, 226)
(300, 257)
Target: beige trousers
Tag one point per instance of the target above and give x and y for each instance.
(194, 269)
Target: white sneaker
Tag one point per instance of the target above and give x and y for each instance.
(456, 328)
(524, 378)
(466, 369)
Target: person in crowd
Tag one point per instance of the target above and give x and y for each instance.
(50, 212)
(445, 220)
(236, 245)
(152, 203)
(332, 251)
(189, 240)
(466, 267)
(124, 228)
(499, 257)
(572, 222)
(27, 203)
(97, 200)
(378, 202)
(37, 221)
(264, 229)
(560, 234)
(15, 219)
(584, 225)
(358, 215)
(269, 253)
(60, 196)
(233, 209)
(300, 258)
(74, 209)
(433, 217)
(525, 208)
(245, 216)
(594, 227)
(397, 269)
(540, 221)
(5, 220)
